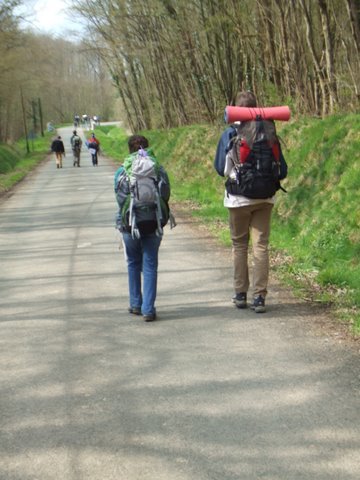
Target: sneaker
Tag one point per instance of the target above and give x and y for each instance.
(149, 317)
(258, 304)
(240, 300)
(134, 310)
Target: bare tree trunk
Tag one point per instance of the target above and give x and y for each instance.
(285, 47)
(267, 16)
(316, 61)
(329, 53)
(353, 10)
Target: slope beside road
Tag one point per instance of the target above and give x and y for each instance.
(205, 392)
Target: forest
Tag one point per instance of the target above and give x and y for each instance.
(46, 79)
(180, 62)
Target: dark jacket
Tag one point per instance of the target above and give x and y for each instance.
(57, 146)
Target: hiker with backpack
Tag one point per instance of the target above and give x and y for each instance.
(57, 146)
(93, 145)
(142, 190)
(249, 155)
(76, 144)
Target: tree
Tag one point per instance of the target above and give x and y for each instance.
(181, 61)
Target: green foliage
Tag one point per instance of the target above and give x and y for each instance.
(15, 163)
(323, 187)
(113, 141)
(318, 221)
(8, 159)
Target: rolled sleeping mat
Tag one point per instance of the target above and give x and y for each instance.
(243, 114)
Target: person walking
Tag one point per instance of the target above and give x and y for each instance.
(248, 217)
(93, 145)
(76, 144)
(57, 147)
(141, 241)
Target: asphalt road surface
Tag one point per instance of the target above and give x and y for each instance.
(89, 392)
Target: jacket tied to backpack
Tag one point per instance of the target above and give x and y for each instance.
(142, 190)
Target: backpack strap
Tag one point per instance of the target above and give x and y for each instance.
(233, 136)
(159, 230)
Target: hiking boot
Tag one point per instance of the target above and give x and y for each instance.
(240, 300)
(134, 310)
(149, 317)
(258, 304)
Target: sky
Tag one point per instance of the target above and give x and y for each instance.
(50, 16)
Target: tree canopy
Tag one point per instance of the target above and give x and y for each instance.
(180, 61)
(64, 77)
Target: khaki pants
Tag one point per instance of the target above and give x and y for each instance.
(251, 220)
(58, 156)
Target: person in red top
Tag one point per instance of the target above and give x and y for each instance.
(93, 145)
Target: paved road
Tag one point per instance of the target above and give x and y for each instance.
(206, 392)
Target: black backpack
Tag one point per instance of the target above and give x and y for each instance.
(255, 153)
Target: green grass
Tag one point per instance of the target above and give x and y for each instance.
(16, 163)
(315, 234)
(113, 140)
(318, 221)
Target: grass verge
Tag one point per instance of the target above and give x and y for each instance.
(315, 234)
(16, 163)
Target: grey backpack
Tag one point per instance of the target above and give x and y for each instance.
(143, 190)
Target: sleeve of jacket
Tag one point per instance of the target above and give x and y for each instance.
(222, 148)
(122, 191)
(283, 166)
(117, 175)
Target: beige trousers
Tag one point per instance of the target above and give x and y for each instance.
(58, 157)
(254, 221)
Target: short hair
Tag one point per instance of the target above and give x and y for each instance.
(135, 142)
(245, 99)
